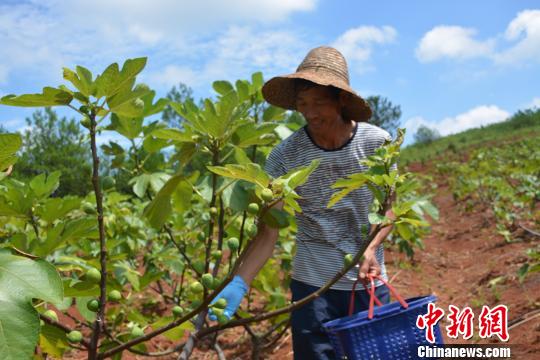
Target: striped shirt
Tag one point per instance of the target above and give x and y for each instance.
(325, 235)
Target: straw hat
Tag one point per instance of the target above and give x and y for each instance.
(324, 66)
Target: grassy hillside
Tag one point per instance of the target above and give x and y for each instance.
(520, 125)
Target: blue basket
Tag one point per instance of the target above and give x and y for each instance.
(391, 334)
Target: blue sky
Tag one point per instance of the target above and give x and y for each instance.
(449, 64)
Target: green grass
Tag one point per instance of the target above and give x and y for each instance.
(520, 125)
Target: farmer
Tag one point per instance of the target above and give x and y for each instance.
(337, 132)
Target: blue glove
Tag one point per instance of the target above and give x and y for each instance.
(234, 293)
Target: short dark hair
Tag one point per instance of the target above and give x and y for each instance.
(303, 84)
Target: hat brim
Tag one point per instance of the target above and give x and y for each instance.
(280, 91)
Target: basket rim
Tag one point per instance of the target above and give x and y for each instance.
(359, 319)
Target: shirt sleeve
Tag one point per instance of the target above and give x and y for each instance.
(274, 165)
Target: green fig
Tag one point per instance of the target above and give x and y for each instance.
(252, 230)
(348, 259)
(115, 295)
(74, 336)
(196, 287)
(93, 305)
(51, 315)
(89, 209)
(253, 208)
(108, 182)
(93, 275)
(177, 311)
(220, 304)
(207, 281)
(267, 194)
(233, 243)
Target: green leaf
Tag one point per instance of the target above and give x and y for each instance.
(44, 185)
(104, 83)
(250, 172)
(55, 208)
(272, 113)
(222, 87)
(299, 176)
(83, 310)
(49, 97)
(80, 289)
(85, 77)
(53, 341)
(83, 85)
(172, 134)
(9, 145)
(62, 233)
(181, 197)
(242, 88)
(257, 80)
(21, 280)
(158, 211)
(128, 127)
(252, 134)
(404, 231)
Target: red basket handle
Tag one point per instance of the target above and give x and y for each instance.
(373, 298)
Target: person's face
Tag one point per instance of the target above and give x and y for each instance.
(319, 106)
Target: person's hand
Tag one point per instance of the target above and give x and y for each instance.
(370, 265)
(233, 294)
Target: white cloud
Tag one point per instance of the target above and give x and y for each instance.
(237, 53)
(521, 39)
(49, 34)
(525, 29)
(171, 75)
(535, 103)
(452, 42)
(476, 117)
(357, 44)
(479, 116)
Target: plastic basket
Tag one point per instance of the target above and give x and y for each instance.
(387, 332)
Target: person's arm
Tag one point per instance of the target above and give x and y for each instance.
(259, 252)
